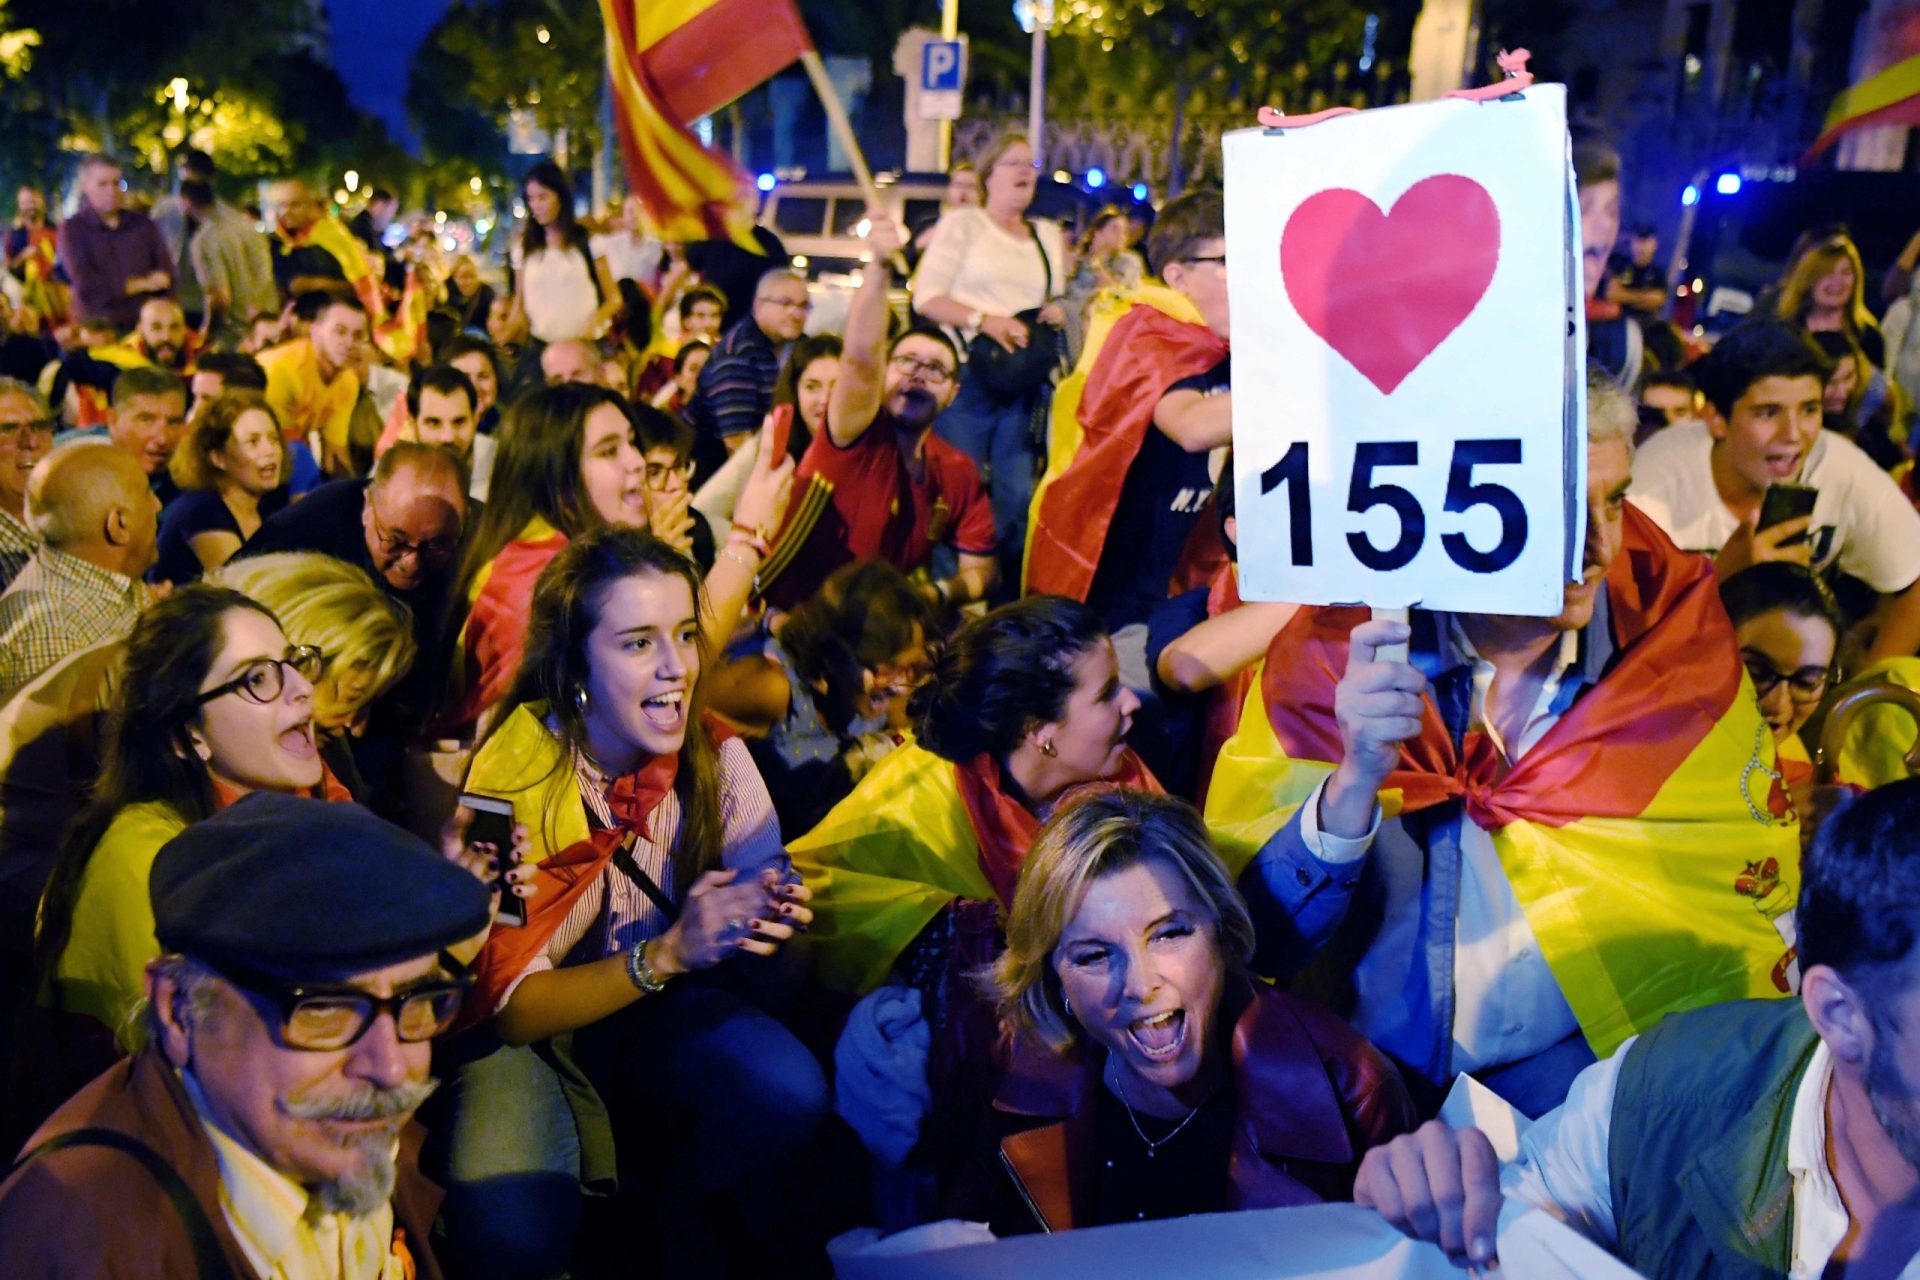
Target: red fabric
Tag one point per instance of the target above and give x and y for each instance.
(1145, 354)
(721, 53)
(1676, 673)
(1004, 827)
(330, 789)
(496, 635)
(1222, 715)
(880, 507)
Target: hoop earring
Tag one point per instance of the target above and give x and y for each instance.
(580, 699)
(1067, 1005)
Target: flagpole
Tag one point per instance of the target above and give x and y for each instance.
(843, 129)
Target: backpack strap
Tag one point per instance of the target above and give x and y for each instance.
(209, 1257)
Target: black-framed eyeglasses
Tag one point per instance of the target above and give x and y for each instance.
(662, 476)
(933, 371)
(1808, 684)
(327, 1016)
(264, 680)
(432, 551)
(1220, 258)
(39, 426)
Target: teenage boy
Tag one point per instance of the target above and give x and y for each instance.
(1705, 480)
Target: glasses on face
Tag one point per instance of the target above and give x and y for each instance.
(1807, 684)
(1220, 258)
(432, 551)
(662, 476)
(933, 371)
(265, 680)
(329, 1016)
(790, 304)
(32, 426)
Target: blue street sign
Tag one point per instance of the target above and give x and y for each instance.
(941, 66)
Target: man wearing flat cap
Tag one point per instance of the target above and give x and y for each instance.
(266, 1129)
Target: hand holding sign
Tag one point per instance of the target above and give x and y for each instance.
(1408, 414)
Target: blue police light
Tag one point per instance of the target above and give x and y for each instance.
(1140, 191)
(1691, 196)
(765, 182)
(1096, 178)
(1727, 184)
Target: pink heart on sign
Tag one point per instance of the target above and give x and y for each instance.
(1385, 289)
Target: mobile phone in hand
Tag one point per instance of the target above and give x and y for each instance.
(782, 432)
(1784, 502)
(493, 824)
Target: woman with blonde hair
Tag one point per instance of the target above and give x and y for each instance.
(233, 467)
(1149, 1076)
(1825, 290)
(364, 635)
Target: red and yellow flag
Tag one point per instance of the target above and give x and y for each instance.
(1638, 834)
(671, 62)
(1888, 97)
(1138, 345)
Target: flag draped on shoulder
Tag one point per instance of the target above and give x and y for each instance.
(1640, 834)
(671, 62)
(1137, 347)
(918, 832)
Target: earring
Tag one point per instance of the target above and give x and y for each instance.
(580, 699)
(1067, 1005)
(1046, 748)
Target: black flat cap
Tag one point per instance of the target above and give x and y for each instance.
(309, 890)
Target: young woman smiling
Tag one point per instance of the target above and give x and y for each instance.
(569, 463)
(1174, 1083)
(663, 894)
(214, 703)
(232, 469)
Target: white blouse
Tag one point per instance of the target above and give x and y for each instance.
(558, 292)
(972, 260)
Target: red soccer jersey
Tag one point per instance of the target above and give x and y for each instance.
(872, 500)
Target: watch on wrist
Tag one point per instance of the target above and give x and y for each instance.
(641, 973)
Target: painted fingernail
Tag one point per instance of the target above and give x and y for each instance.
(756, 924)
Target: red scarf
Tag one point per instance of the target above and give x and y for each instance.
(1004, 827)
(1145, 354)
(1677, 672)
(329, 788)
(560, 879)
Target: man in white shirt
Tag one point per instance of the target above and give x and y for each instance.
(1760, 1138)
(1705, 481)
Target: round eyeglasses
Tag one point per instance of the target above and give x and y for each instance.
(265, 679)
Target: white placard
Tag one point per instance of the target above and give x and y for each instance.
(1408, 371)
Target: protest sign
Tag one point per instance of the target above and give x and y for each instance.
(1408, 357)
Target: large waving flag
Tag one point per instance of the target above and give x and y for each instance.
(671, 62)
(1889, 97)
(1639, 834)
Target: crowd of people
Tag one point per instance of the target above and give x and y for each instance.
(584, 773)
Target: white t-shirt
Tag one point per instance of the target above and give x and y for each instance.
(1861, 521)
(970, 259)
(626, 257)
(557, 285)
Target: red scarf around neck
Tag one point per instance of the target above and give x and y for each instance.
(1004, 827)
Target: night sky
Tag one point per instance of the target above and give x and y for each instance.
(373, 44)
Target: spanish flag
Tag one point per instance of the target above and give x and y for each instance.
(918, 832)
(1889, 97)
(398, 336)
(671, 62)
(1639, 834)
(1138, 345)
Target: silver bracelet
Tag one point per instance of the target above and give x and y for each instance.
(641, 973)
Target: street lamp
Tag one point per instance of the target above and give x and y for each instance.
(1034, 17)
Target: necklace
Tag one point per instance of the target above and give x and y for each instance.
(1152, 1146)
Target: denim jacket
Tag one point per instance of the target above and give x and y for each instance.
(1318, 921)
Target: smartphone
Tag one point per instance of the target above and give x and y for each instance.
(782, 431)
(493, 824)
(1786, 502)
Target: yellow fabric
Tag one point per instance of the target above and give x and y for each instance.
(1637, 917)
(1871, 753)
(655, 20)
(883, 863)
(284, 1234)
(1896, 84)
(302, 402)
(1066, 430)
(123, 355)
(102, 972)
(524, 763)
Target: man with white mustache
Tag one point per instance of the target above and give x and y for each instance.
(266, 1129)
